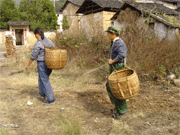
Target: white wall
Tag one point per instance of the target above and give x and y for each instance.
(59, 22)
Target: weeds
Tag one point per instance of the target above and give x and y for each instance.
(171, 19)
(145, 52)
(87, 54)
(161, 69)
(176, 71)
(4, 132)
(70, 127)
(122, 129)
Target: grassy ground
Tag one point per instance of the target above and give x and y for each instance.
(82, 105)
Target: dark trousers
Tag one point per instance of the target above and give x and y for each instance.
(121, 106)
(45, 88)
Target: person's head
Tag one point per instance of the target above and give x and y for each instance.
(113, 32)
(38, 32)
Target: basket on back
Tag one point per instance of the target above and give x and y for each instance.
(55, 58)
(124, 83)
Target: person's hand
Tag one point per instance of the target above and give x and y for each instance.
(110, 62)
(27, 67)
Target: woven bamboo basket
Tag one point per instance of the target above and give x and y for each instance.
(55, 58)
(124, 83)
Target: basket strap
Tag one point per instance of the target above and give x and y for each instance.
(121, 90)
(46, 46)
(130, 89)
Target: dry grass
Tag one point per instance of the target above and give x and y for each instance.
(145, 52)
(82, 105)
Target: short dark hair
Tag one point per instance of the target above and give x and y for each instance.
(39, 31)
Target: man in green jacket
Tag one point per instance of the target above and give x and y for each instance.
(118, 51)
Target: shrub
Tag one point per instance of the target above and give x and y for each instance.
(39, 13)
(65, 23)
(8, 12)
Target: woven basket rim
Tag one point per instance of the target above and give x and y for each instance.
(121, 77)
(55, 49)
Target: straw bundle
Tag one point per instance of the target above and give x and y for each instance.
(10, 49)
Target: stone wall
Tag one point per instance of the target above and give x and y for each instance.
(164, 32)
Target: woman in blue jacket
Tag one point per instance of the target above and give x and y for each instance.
(38, 54)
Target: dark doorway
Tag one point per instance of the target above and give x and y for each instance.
(19, 36)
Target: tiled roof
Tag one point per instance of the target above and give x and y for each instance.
(171, 1)
(11, 23)
(58, 10)
(75, 2)
(92, 6)
(155, 10)
(108, 3)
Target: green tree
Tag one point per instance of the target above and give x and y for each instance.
(8, 12)
(39, 13)
(65, 23)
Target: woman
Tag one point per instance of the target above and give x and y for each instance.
(118, 51)
(45, 89)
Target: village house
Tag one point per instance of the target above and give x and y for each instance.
(69, 10)
(96, 16)
(162, 21)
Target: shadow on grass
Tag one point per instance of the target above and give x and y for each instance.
(95, 102)
(32, 92)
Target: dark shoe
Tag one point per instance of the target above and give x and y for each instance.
(113, 110)
(118, 116)
(40, 96)
(49, 103)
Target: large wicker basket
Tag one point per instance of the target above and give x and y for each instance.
(124, 83)
(55, 58)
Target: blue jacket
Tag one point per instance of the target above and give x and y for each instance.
(118, 50)
(38, 52)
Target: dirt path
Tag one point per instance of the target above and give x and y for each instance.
(82, 106)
